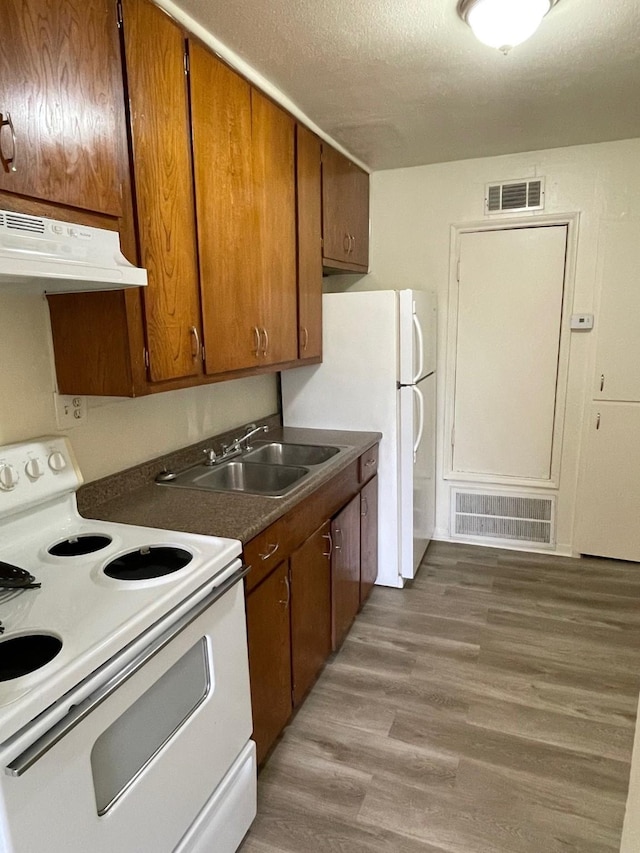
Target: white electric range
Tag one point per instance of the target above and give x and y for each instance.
(123, 675)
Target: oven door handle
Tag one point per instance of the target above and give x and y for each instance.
(40, 747)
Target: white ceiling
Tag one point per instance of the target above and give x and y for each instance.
(404, 82)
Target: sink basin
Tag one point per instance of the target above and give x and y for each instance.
(279, 453)
(253, 478)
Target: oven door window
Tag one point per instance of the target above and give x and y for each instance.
(122, 751)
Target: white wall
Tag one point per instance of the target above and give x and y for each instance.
(412, 211)
(119, 433)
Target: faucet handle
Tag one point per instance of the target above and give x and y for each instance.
(211, 455)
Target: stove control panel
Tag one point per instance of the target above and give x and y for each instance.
(36, 471)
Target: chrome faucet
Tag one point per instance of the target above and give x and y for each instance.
(251, 430)
(237, 446)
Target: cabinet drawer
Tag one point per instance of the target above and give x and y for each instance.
(368, 464)
(266, 550)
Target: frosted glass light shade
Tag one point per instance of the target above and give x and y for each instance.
(505, 23)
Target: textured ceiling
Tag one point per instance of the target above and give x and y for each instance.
(402, 82)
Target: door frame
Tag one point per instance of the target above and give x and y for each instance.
(571, 221)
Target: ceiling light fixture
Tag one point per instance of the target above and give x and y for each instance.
(504, 23)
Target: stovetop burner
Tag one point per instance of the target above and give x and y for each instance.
(76, 546)
(147, 563)
(13, 577)
(22, 655)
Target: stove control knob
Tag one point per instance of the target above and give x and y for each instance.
(33, 469)
(57, 462)
(8, 477)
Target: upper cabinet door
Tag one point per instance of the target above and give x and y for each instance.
(61, 103)
(274, 199)
(345, 212)
(309, 216)
(230, 281)
(155, 61)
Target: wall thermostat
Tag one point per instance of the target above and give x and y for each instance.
(582, 322)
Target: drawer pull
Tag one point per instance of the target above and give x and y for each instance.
(370, 462)
(338, 532)
(8, 163)
(365, 507)
(271, 550)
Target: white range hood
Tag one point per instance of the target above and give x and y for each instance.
(49, 256)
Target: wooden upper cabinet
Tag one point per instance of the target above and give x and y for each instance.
(274, 199)
(162, 174)
(345, 212)
(309, 222)
(243, 151)
(227, 221)
(61, 92)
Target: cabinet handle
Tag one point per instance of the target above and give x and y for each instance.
(305, 337)
(598, 421)
(256, 333)
(346, 243)
(271, 550)
(602, 382)
(335, 544)
(364, 512)
(353, 243)
(371, 461)
(288, 598)
(8, 163)
(266, 342)
(328, 553)
(195, 349)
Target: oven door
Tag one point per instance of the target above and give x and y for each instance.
(138, 762)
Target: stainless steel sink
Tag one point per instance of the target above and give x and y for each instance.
(252, 478)
(282, 453)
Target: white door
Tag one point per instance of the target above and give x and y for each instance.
(509, 312)
(618, 359)
(607, 517)
(417, 472)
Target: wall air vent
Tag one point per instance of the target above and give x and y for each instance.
(503, 518)
(514, 196)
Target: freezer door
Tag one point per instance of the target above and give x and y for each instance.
(417, 330)
(417, 472)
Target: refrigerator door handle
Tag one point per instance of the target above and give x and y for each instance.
(420, 342)
(420, 397)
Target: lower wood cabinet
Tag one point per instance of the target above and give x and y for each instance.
(269, 638)
(345, 571)
(368, 538)
(310, 610)
(309, 573)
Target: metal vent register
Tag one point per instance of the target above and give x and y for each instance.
(513, 196)
(508, 518)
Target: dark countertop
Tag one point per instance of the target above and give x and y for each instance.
(233, 515)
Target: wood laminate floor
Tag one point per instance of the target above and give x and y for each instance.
(489, 707)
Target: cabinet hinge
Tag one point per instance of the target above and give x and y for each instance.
(186, 62)
(322, 242)
(146, 357)
(458, 271)
(202, 353)
(119, 14)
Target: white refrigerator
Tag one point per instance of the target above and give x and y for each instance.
(378, 373)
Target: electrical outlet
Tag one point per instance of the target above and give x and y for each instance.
(70, 411)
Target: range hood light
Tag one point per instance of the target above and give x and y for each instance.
(503, 24)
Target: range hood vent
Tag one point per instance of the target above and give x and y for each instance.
(55, 257)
